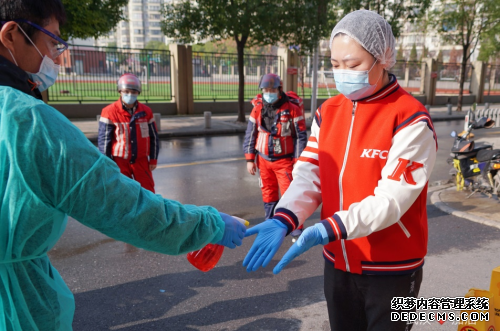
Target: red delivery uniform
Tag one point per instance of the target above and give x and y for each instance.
(275, 137)
(130, 138)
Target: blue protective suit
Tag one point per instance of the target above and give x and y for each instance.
(48, 170)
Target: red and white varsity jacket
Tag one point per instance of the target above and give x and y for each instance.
(126, 136)
(368, 162)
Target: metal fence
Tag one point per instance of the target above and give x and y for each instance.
(326, 84)
(492, 80)
(408, 74)
(448, 78)
(89, 74)
(407, 71)
(215, 75)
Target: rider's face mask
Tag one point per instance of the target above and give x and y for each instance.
(270, 97)
(129, 98)
(354, 85)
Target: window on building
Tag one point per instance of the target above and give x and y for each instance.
(136, 8)
(154, 8)
(154, 24)
(137, 24)
(138, 31)
(139, 39)
(155, 32)
(137, 16)
(154, 16)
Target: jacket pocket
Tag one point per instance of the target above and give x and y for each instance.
(286, 129)
(405, 230)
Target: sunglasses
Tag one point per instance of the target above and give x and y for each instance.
(61, 45)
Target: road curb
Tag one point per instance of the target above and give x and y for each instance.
(195, 133)
(436, 201)
(443, 118)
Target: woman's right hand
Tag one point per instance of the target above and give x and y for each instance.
(251, 168)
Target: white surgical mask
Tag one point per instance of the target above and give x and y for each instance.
(129, 99)
(270, 97)
(47, 74)
(354, 85)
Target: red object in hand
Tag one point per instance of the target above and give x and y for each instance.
(206, 258)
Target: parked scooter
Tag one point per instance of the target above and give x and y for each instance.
(476, 165)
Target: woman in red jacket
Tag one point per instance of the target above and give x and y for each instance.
(368, 160)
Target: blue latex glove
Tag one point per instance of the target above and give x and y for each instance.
(270, 235)
(234, 232)
(312, 236)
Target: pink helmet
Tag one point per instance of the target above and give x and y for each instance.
(129, 81)
(270, 81)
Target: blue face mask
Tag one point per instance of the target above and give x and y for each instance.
(129, 99)
(270, 97)
(354, 85)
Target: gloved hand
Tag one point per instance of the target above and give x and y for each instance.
(270, 235)
(312, 236)
(234, 232)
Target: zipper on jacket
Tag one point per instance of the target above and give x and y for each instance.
(341, 205)
(405, 230)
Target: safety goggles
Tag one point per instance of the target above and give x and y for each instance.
(59, 47)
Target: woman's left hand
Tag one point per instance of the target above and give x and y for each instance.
(312, 236)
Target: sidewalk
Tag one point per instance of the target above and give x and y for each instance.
(178, 126)
(477, 208)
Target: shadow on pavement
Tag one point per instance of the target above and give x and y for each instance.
(142, 305)
(270, 323)
(460, 234)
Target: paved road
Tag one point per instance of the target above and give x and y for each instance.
(118, 287)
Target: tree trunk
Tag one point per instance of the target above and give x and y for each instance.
(240, 45)
(463, 67)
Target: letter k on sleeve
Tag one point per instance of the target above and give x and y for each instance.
(409, 164)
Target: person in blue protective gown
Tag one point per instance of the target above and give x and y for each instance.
(49, 170)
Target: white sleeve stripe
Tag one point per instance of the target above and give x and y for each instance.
(309, 155)
(105, 120)
(296, 119)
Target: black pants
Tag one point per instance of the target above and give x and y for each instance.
(360, 302)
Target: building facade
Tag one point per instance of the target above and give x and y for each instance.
(143, 25)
